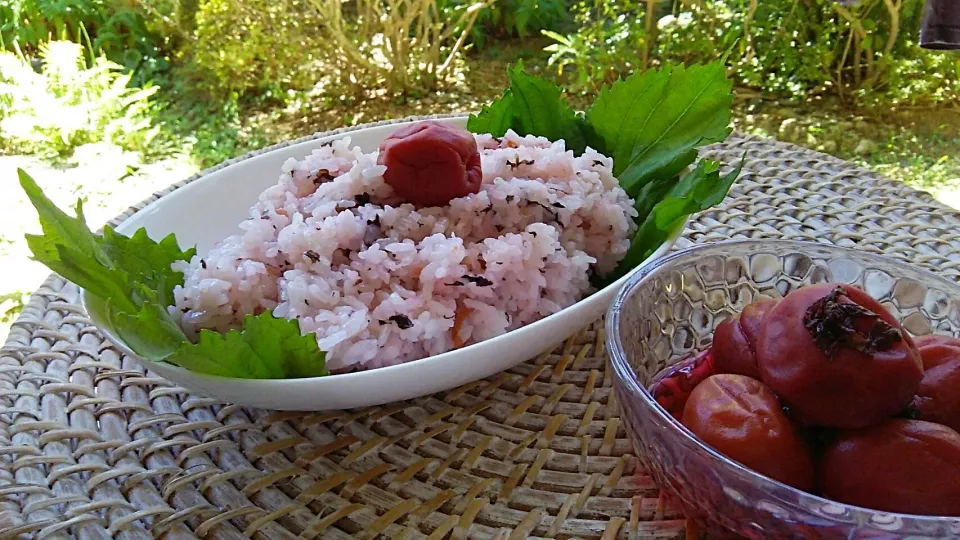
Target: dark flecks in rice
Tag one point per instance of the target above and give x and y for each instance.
(558, 205)
(321, 175)
(548, 209)
(517, 162)
(597, 163)
(371, 235)
(457, 283)
(203, 264)
(402, 321)
(479, 281)
(510, 198)
(312, 255)
(362, 199)
(184, 310)
(374, 221)
(306, 302)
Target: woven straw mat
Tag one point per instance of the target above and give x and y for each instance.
(93, 446)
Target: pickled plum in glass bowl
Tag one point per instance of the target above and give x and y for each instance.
(793, 390)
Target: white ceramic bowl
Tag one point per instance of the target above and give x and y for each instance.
(209, 209)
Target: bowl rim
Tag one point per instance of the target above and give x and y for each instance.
(87, 299)
(690, 442)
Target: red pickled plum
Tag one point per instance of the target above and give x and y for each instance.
(938, 398)
(429, 163)
(735, 340)
(837, 358)
(742, 419)
(936, 349)
(906, 466)
(672, 391)
(932, 339)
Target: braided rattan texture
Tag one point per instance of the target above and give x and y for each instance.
(92, 446)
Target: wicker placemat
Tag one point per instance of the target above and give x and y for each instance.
(91, 446)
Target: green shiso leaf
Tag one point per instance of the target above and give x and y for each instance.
(69, 248)
(650, 123)
(149, 261)
(149, 332)
(531, 106)
(132, 276)
(697, 191)
(276, 349)
(494, 118)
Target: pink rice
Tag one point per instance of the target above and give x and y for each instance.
(380, 282)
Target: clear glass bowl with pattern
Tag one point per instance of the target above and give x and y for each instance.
(668, 311)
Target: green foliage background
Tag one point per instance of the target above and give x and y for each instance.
(203, 76)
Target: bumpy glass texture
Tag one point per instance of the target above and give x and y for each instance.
(669, 310)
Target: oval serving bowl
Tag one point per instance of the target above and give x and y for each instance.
(209, 209)
(670, 309)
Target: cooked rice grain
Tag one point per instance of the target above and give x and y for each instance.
(381, 282)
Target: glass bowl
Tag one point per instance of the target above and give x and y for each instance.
(668, 311)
